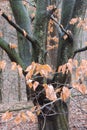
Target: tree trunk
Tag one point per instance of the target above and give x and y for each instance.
(24, 46)
(1, 82)
(58, 121)
(23, 20)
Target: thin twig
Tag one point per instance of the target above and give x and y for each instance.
(79, 50)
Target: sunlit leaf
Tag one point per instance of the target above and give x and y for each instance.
(29, 83)
(25, 33)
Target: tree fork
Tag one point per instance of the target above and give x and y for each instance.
(22, 31)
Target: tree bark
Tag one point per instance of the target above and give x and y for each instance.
(56, 122)
(22, 19)
(24, 46)
(1, 82)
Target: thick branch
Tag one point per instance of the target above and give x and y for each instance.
(22, 31)
(14, 57)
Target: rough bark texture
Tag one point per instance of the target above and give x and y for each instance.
(40, 30)
(59, 122)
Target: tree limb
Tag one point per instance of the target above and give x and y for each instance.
(13, 55)
(79, 50)
(22, 31)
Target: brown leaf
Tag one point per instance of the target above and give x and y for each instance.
(25, 33)
(50, 7)
(80, 87)
(7, 115)
(58, 90)
(12, 46)
(10, 17)
(65, 37)
(31, 116)
(18, 119)
(2, 64)
(29, 83)
(19, 70)
(50, 93)
(14, 66)
(29, 74)
(35, 85)
(73, 21)
(23, 116)
(65, 93)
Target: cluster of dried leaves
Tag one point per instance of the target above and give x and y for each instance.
(21, 117)
(51, 26)
(81, 23)
(51, 93)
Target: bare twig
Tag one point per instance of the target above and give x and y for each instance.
(79, 50)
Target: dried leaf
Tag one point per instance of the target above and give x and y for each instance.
(55, 39)
(2, 64)
(12, 46)
(80, 87)
(65, 37)
(65, 93)
(58, 90)
(62, 68)
(73, 21)
(7, 115)
(25, 33)
(35, 85)
(31, 116)
(23, 116)
(39, 109)
(18, 119)
(50, 7)
(50, 93)
(10, 17)
(29, 74)
(29, 83)
(19, 70)
(14, 66)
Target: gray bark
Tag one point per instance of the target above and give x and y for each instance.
(23, 20)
